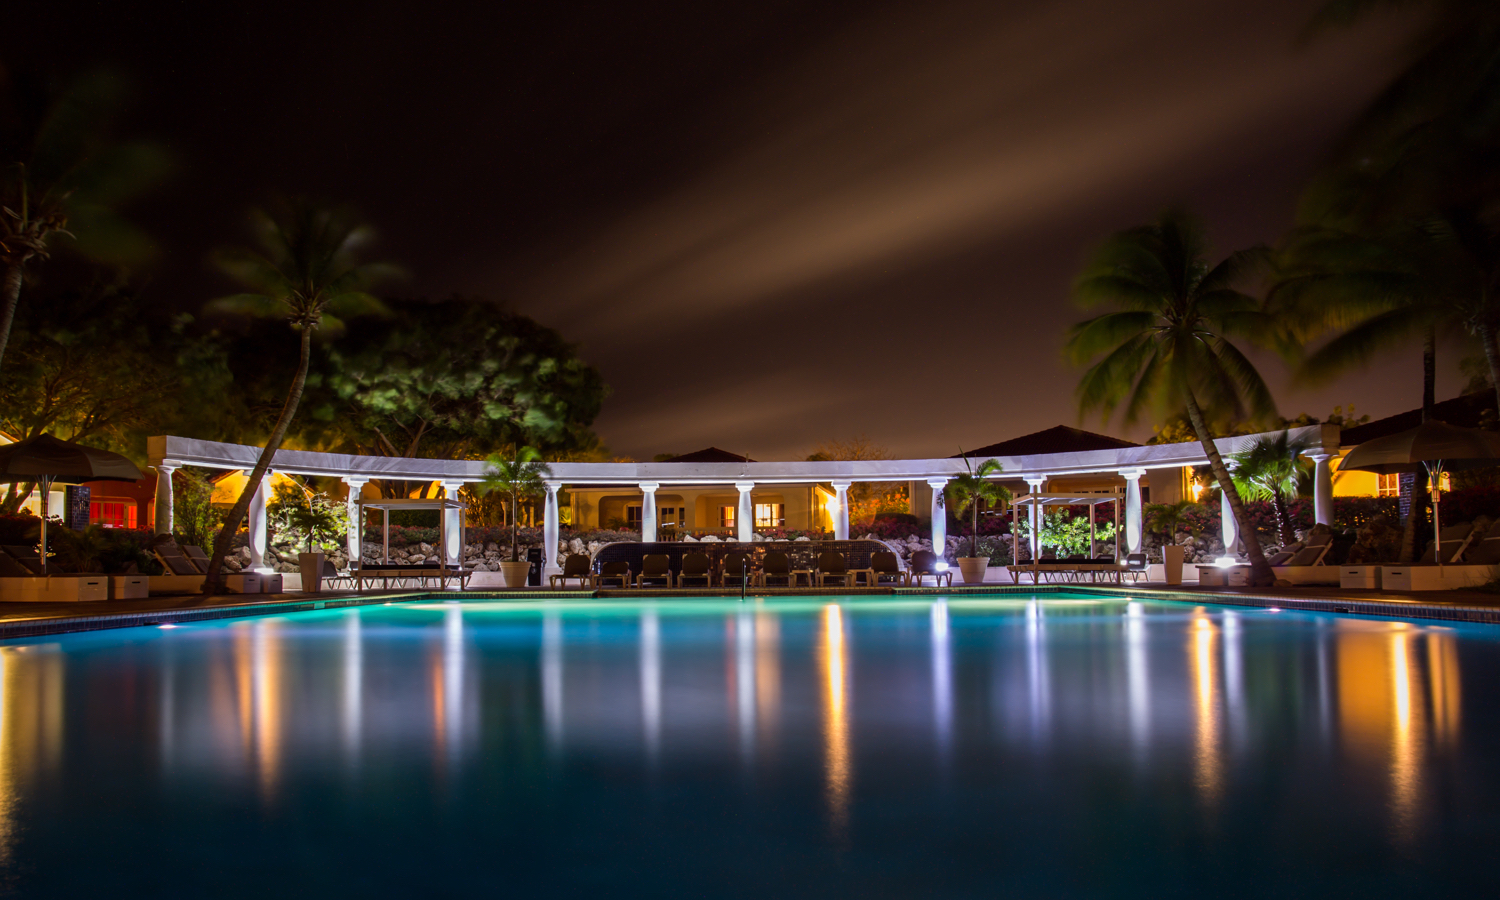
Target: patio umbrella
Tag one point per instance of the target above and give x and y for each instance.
(48, 461)
(1431, 447)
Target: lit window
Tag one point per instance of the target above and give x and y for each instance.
(670, 514)
(112, 513)
(1388, 485)
(770, 515)
(726, 517)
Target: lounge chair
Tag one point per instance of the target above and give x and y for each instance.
(1316, 548)
(1484, 552)
(924, 564)
(734, 566)
(174, 561)
(196, 556)
(1136, 566)
(655, 567)
(618, 570)
(885, 564)
(833, 565)
(696, 565)
(333, 579)
(26, 557)
(776, 565)
(1455, 540)
(575, 566)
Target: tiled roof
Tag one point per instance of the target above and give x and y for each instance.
(1060, 439)
(1465, 412)
(710, 455)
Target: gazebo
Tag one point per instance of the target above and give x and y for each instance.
(451, 527)
(1036, 505)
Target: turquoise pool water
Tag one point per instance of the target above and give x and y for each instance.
(1057, 746)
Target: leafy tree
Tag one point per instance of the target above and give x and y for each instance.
(88, 366)
(63, 173)
(194, 515)
(1167, 519)
(1068, 533)
(307, 272)
(1272, 469)
(519, 475)
(307, 517)
(1166, 344)
(968, 489)
(867, 499)
(456, 379)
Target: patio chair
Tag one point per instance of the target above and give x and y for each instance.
(335, 580)
(618, 570)
(885, 564)
(696, 565)
(734, 566)
(924, 563)
(776, 565)
(1136, 566)
(577, 566)
(655, 567)
(832, 565)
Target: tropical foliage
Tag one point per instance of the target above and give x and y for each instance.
(520, 474)
(1272, 469)
(973, 488)
(1165, 345)
(308, 272)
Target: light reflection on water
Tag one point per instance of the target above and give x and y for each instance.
(779, 728)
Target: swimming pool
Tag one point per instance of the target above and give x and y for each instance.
(1057, 745)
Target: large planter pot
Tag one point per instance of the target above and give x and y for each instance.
(513, 574)
(1171, 558)
(972, 568)
(310, 565)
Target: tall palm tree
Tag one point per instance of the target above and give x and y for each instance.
(968, 489)
(1165, 347)
(61, 174)
(1271, 469)
(519, 475)
(307, 271)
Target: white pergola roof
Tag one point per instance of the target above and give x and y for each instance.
(171, 450)
(1066, 499)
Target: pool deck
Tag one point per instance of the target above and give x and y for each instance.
(19, 620)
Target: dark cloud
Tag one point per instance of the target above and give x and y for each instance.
(775, 223)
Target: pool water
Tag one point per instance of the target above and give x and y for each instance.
(1050, 746)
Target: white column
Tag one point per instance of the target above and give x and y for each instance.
(453, 527)
(163, 514)
(1133, 521)
(841, 512)
(1230, 529)
(648, 510)
(1322, 488)
(257, 517)
(744, 515)
(1035, 484)
(354, 539)
(550, 525)
(939, 516)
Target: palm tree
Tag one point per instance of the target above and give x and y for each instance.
(1166, 345)
(520, 475)
(1271, 469)
(59, 170)
(969, 488)
(307, 271)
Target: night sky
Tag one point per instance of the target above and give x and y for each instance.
(770, 223)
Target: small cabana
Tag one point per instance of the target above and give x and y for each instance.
(1036, 505)
(451, 528)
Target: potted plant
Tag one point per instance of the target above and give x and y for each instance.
(320, 523)
(967, 490)
(519, 475)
